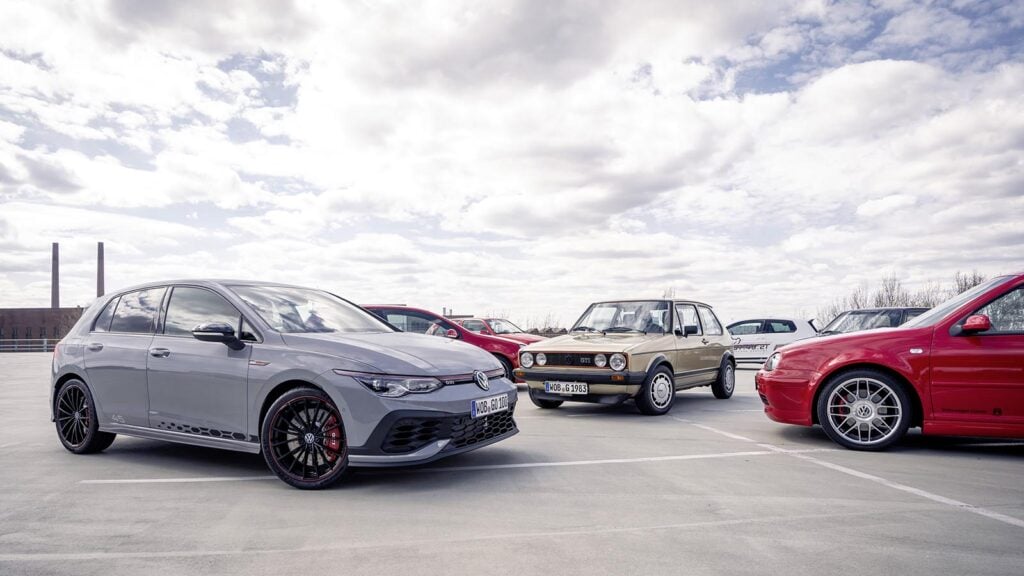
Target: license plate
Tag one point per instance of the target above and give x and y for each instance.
(490, 405)
(566, 388)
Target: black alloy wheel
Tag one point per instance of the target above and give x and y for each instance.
(75, 415)
(303, 439)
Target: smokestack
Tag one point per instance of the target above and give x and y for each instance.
(55, 277)
(99, 269)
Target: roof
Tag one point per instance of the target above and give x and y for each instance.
(673, 300)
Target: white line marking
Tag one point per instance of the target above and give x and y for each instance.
(178, 480)
(801, 454)
(990, 444)
(602, 462)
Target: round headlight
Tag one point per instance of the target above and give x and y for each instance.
(617, 362)
(773, 362)
(542, 359)
(526, 360)
(600, 360)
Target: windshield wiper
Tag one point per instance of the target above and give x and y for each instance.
(623, 329)
(586, 329)
(828, 332)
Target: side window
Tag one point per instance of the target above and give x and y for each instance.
(409, 321)
(687, 314)
(473, 325)
(136, 311)
(781, 326)
(745, 328)
(102, 323)
(909, 315)
(711, 325)
(190, 307)
(1006, 313)
(247, 333)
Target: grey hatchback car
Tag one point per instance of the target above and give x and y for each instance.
(314, 382)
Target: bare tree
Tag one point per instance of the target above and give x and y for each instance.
(964, 281)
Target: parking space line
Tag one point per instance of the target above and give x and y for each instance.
(607, 461)
(801, 454)
(178, 480)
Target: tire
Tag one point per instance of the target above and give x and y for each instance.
(864, 410)
(542, 403)
(725, 384)
(658, 394)
(77, 425)
(507, 366)
(303, 439)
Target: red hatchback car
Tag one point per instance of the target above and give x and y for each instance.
(421, 321)
(957, 369)
(499, 327)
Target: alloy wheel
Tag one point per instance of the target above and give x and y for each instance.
(662, 390)
(74, 415)
(306, 439)
(864, 411)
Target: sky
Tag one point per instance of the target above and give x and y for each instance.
(519, 158)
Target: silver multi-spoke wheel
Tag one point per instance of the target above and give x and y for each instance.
(726, 382)
(864, 409)
(662, 390)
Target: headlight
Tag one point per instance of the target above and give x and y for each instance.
(600, 360)
(395, 386)
(526, 360)
(617, 362)
(773, 362)
(542, 359)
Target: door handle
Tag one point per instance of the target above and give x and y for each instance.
(94, 347)
(703, 340)
(159, 352)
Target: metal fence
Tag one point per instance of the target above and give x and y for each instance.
(28, 345)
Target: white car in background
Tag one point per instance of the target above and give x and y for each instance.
(756, 339)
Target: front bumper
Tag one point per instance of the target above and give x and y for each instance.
(787, 395)
(605, 386)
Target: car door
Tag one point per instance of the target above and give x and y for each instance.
(749, 340)
(689, 360)
(198, 387)
(713, 341)
(476, 326)
(116, 350)
(980, 377)
(778, 333)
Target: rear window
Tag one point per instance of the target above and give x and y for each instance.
(136, 312)
(781, 326)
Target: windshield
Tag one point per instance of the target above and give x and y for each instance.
(303, 310)
(939, 312)
(500, 326)
(856, 320)
(646, 317)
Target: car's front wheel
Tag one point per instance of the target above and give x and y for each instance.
(864, 410)
(507, 367)
(543, 403)
(303, 439)
(658, 393)
(77, 425)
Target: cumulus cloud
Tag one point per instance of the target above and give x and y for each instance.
(528, 156)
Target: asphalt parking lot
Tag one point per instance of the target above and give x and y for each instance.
(714, 488)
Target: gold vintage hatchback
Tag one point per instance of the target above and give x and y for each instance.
(641, 349)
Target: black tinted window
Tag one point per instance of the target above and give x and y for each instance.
(136, 311)
(190, 307)
(781, 326)
(102, 323)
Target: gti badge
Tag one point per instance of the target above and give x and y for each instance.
(481, 380)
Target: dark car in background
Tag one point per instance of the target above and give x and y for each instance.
(870, 318)
(420, 321)
(499, 327)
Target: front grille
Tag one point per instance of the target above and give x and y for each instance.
(411, 434)
(569, 359)
(468, 431)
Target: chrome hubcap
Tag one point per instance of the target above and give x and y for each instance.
(864, 410)
(661, 390)
(730, 378)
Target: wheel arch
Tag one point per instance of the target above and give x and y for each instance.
(280, 390)
(908, 387)
(657, 361)
(57, 386)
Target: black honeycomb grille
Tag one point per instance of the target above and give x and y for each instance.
(411, 434)
(570, 359)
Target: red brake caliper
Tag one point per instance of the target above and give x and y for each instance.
(332, 439)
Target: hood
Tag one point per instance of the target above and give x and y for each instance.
(859, 338)
(593, 342)
(397, 352)
(523, 338)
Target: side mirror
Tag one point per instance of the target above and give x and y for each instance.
(690, 330)
(451, 333)
(218, 332)
(976, 323)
